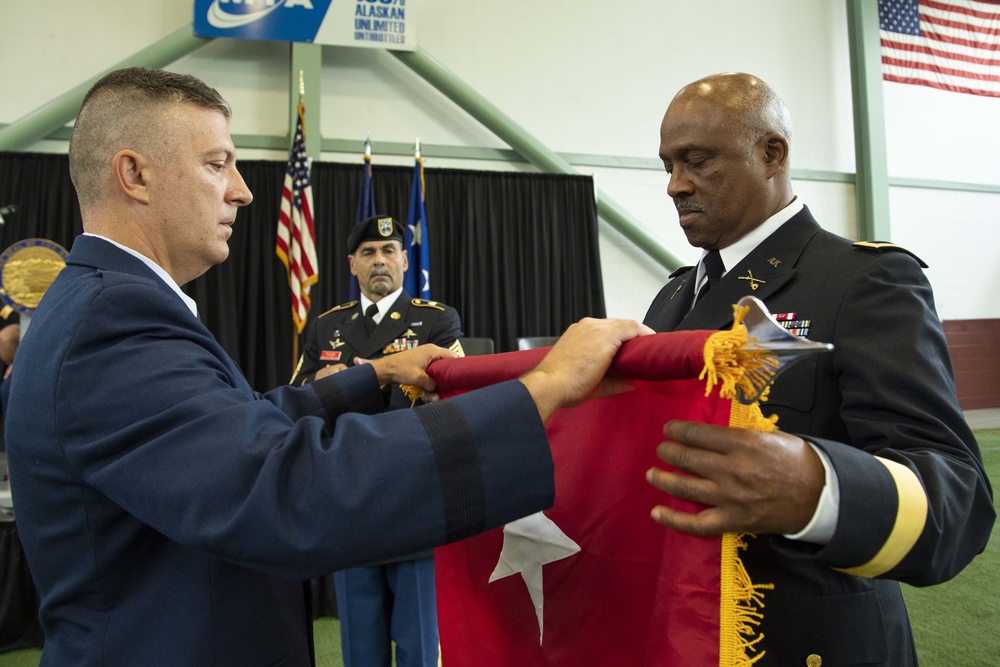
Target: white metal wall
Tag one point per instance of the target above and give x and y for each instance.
(584, 76)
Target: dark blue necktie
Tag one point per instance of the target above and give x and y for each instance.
(714, 268)
(370, 318)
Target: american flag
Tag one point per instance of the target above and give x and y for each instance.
(296, 245)
(947, 44)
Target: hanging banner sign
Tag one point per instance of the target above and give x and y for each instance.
(384, 24)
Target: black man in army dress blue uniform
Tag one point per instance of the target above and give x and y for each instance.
(896, 491)
(393, 601)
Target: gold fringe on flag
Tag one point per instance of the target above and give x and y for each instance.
(732, 361)
(412, 392)
(740, 605)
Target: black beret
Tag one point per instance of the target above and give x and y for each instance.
(375, 228)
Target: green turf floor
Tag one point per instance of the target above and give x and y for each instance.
(956, 624)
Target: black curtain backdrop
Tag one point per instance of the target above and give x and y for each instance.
(515, 253)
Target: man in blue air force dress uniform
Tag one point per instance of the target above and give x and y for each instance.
(886, 482)
(168, 512)
(390, 601)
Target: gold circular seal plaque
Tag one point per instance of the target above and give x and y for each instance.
(27, 268)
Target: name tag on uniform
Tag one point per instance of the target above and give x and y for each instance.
(330, 355)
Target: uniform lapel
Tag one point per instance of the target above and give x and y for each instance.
(352, 330)
(761, 274)
(675, 306)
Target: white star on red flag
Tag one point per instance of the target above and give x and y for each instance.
(528, 544)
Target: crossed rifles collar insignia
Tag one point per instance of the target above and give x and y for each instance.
(754, 282)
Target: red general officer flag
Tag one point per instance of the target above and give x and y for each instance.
(594, 580)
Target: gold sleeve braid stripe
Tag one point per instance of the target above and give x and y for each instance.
(911, 516)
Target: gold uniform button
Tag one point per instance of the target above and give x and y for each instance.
(814, 661)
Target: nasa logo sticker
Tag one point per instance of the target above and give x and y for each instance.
(376, 24)
(282, 20)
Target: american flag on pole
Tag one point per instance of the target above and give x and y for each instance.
(947, 44)
(296, 246)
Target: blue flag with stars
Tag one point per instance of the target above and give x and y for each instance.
(366, 209)
(417, 280)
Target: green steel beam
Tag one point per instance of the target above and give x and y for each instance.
(530, 148)
(574, 159)
(823, 176)
(955, 186)
(483, 111)
(265, 142)
(353, 146)
(48, 118)
(307, 61)
(872, 187)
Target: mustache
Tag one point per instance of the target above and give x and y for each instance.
(379, 271)
(686, 206)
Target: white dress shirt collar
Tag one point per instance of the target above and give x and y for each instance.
(384, 304)
(734, 254)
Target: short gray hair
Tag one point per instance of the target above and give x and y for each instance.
(123, 110)
(763, 113)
